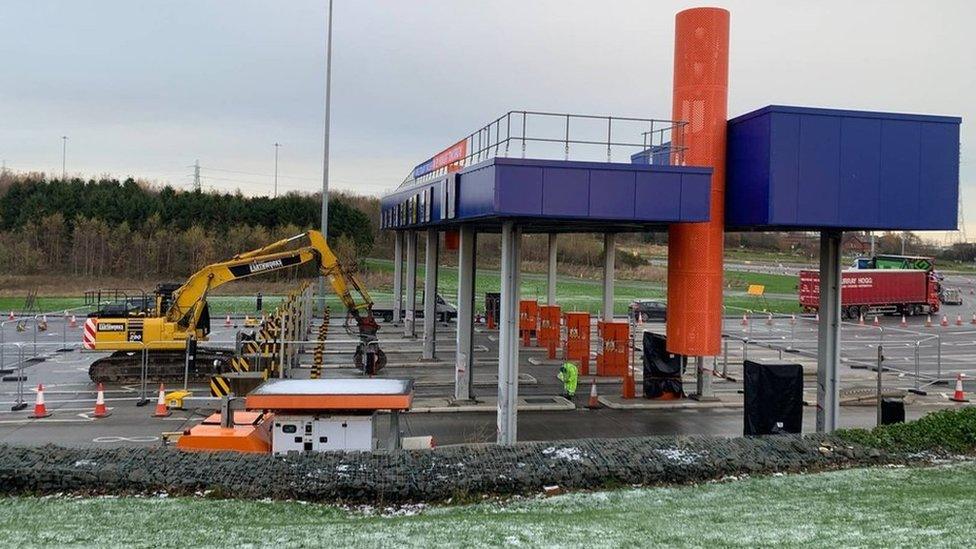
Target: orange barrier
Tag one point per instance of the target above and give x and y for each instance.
(549, 332)
(528, 320)
(40, 409)
(614, 338)
(695, 250)
(578, 340)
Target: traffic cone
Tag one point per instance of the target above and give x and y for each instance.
(877, 322)
(11, 316)
(161, 409)
(945, 320)
(100, 409)
(817, 316)
(73, 323)
(227, 323)
(40, 410)
(928, 321)
(904, 321)
(769, 319)
(958, 395)
(860, 320)
(792, 319)
(594, 402)
(640, 319)
(958, 320)
(973, 321)
(745, 320)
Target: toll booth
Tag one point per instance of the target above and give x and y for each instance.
(612, 360)
(528, 320)
(549, 328)
(578, 340)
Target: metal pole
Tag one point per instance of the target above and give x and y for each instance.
(430, 294)
(64, 155)
(397, 275)
(551, 272)
(277, 146)
(465, 319)
(508, 336)
(609, 252)
(325, 164)
(409, 321)
(828, 337)
(880, 369)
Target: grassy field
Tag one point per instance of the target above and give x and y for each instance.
(863, 507)
(582, 294)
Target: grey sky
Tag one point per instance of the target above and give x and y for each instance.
(144, 88)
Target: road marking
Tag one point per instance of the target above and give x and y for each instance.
(116, 439)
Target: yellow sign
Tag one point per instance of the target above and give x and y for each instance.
(756, 290)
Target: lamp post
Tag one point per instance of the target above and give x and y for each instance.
(64, 154)
(276, 146)
(325, 166)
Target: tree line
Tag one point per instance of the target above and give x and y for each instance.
(132, 229)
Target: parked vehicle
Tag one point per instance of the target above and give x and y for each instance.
(950, 296)
(445, 311)
(648, 309)
(876, 291)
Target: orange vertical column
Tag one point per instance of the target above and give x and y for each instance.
(695, 250)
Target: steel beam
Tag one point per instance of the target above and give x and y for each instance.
(828, 333)
(397, 275)
(409, 323)
(464, 360)
(551, 284)
(508, 349)
(609, 253)
(430, 294)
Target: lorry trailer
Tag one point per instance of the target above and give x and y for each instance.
(876, 291)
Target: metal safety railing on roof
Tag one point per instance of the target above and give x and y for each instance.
(546, 135)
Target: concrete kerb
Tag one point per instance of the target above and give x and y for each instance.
(490, 405)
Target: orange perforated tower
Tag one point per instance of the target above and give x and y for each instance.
(700, 96)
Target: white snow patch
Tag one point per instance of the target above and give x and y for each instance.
(566, 454)
(85, 463)
(683, 457)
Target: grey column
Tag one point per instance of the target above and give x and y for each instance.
(464, 361)
(551, 284)
(508, 347)
(609, 252)
(430, 294)
(828, 333)
(397, 275)
(409, 324)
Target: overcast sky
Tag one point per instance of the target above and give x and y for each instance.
(145, 88)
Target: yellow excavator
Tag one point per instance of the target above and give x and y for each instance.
(179, 312)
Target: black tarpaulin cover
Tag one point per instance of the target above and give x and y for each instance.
(773, 398)
(662, 370)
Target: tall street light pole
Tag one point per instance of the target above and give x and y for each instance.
(276, 146)
(325, 166)
(64, 154)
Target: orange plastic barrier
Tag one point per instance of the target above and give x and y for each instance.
(615, 340)
(549, 332)
(578, 341)
(701, 77)
(452, 240)
(528, 320)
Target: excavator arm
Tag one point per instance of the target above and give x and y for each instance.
(191, 298)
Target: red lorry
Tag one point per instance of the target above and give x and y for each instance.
(876, 291)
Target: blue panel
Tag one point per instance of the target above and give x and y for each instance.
(860, 163)
(565, 192)
(822, 168)
(899, 171)
(518, 190)
(612, 194)
(818, 189)
(751, 160)
(659, 196)
(939, 173)
(476, 192)
(780, 200)
(693, 188)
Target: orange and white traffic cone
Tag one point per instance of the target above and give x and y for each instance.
(11, 316)
(945, 320)
(973, 321)
(227, 323)
(958, 320)
(792, 320)
(40, 410)
(594, 402)
(817, 316)
(928, 321)
(745, 320)
(769, 319)
(904, 321)
(100, 409)
(959, 395)
(877, 321)
(860, 320)
(73, 323)
(161, 409)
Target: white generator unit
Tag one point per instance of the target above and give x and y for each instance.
(323, 433)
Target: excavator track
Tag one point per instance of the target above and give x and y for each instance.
(163, 366)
